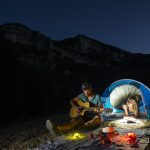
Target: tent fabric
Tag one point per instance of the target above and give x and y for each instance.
(144, 93)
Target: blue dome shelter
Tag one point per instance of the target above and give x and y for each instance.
(118, 92)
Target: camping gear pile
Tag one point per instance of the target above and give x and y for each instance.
(109, 135)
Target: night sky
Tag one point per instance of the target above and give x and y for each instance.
(122, 23)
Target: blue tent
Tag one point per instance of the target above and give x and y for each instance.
(124, 88)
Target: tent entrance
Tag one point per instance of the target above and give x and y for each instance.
(118, 93)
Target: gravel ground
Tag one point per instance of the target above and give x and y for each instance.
(31, 134)
(27, 135)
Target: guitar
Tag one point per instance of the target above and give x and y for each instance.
(85, 106)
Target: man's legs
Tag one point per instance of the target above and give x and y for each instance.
(54, 129)
(71, 125)
(92, 120)
(93, 123)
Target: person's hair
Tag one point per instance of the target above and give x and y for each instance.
(136, 98)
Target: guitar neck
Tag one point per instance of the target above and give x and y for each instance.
(101, 110)
(93, 108)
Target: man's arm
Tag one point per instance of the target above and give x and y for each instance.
(100, 104)
(74, 103)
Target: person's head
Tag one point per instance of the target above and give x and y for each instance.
(134, 99)
(131, 100)
(87, 89)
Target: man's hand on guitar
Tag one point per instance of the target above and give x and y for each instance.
(101, 109)
(79, 109)
(96, 109)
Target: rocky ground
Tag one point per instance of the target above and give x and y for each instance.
(33, 135)
(26, 135)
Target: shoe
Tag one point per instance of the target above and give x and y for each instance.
(50, 128)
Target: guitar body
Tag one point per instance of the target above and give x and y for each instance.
(86, 107)
(73, 110)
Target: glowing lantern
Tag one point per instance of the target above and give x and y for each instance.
(76, 135)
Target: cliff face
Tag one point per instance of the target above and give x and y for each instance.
(40, 74)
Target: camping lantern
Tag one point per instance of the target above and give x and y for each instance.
(75, 136)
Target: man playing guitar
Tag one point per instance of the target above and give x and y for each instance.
(84, 112)
(89, 103)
